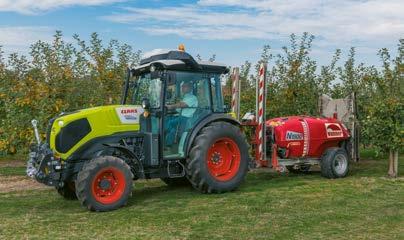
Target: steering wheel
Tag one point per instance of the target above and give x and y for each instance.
(170, 111)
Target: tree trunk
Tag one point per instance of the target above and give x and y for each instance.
(396, 162)
(391, 171)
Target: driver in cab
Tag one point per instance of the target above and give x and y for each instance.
(185, 109)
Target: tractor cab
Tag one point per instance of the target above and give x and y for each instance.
(175, 92)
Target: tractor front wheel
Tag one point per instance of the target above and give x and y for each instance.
(104, 184)
(218, 160)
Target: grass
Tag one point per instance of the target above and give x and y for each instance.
(12, 157)
(12, 171)
(364, 205)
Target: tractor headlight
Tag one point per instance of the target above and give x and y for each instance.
(61, 123)
(152, 68)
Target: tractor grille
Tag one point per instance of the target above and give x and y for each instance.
(71, 134)
(50, 124)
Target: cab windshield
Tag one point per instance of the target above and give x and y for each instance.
(147, 87)
(206, 87)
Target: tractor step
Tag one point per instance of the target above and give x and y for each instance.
(175, 164)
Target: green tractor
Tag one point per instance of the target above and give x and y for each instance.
(171, 124)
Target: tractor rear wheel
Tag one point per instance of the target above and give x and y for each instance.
(104, 184)
(218, 160)
(68, 191)
(334, 163)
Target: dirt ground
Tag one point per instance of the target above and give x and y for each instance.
(17, 183)
(13, 163)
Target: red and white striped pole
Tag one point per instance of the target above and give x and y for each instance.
(261, 130)
(235, 92)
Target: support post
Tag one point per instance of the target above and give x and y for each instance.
(261, 128)
(354, 129)
(235, 92)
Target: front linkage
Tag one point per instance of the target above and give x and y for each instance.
(42, 164)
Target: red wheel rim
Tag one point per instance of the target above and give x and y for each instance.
(223, 159)
(108, 185)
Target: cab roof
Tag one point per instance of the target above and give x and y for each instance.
(180, 61)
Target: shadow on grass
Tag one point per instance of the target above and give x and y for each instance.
(145, 192)
(256, 181)
(368, 168)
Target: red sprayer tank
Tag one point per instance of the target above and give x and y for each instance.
(295, 143)
(305, 137)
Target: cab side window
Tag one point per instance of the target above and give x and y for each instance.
(202, 91)
(216, 90)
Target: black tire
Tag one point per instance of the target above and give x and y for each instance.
(334, 163)
(68, 191)
(176, 182)
(85, 183)
(198, 172)
(302, 169)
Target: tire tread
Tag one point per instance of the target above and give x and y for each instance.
(84, 176)
(194, 173)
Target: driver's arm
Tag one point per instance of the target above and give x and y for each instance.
(177, 105)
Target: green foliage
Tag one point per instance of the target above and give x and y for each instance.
(385, 112)
(292, 81)
(328, 77)
(61, 76)
(295, 81)
(58, 77)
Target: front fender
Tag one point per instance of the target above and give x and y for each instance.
(92, 147)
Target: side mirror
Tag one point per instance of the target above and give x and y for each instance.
(146, 104)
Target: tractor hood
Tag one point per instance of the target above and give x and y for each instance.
(67, 132)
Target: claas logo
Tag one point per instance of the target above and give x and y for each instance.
(127, 111)
(333, 130)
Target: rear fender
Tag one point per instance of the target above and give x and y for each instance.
(347, 146)
(204, 122)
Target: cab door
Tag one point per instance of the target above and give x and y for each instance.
(179, 121)
(149, 92)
